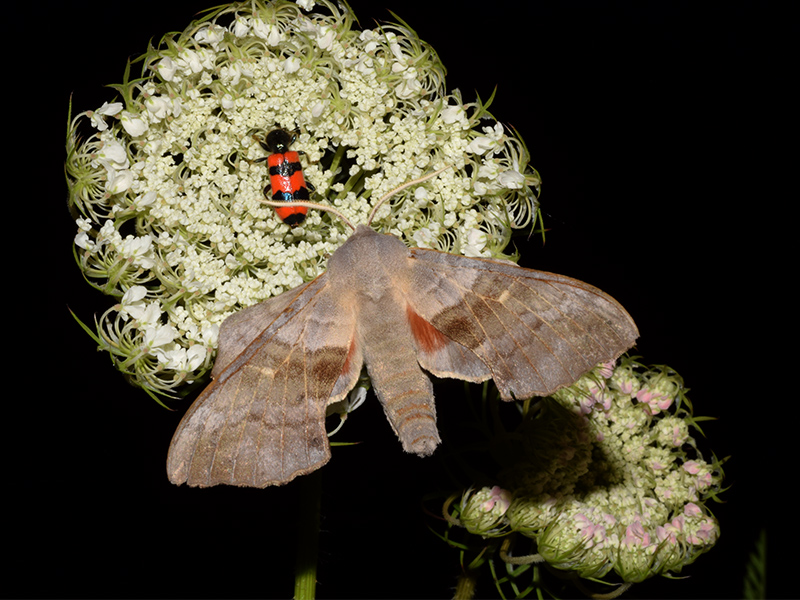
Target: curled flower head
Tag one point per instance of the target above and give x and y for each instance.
(580, 541)
(169, 182)
(604, 485)
(482, 511)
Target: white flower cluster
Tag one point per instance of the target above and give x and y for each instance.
(606, 478)
(167, 190)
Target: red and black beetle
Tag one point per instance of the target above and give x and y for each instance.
(285, 176)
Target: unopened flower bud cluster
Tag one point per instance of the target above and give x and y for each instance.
(167, 187)
(607, 478)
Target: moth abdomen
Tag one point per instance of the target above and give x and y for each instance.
(404, 390)
(407, 398)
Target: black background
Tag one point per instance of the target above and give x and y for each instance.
(660, 131)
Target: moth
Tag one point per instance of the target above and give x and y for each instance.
(402, 312)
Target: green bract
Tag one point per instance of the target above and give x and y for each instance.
(167, 191)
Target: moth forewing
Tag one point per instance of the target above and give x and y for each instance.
(262, 421)
(535, 331)
(240, 329)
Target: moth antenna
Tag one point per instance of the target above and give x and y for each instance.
(330, 209)
(400, 189)
(314, 205)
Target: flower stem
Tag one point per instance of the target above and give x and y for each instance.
(465, 588)
(305, 574)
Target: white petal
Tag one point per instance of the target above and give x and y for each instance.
(325, 37)
(451, 114)
(158, 336)
(167, 68)
(134, 294)
(240, 27)
(114, 152)
(152, 313)
(195, 357)
(146, 200)
(291, 65)
(120, 182)
(480, 144)
(157, 106)
(512, 180)
(133, 124)
(82, 240)
(109, 109)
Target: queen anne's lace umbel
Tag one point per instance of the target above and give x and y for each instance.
(167, 191)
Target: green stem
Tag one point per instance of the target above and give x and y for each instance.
(305, 573)
(465, 588)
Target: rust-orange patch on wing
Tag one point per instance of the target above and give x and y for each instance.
(350, 352)
(429, 339)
